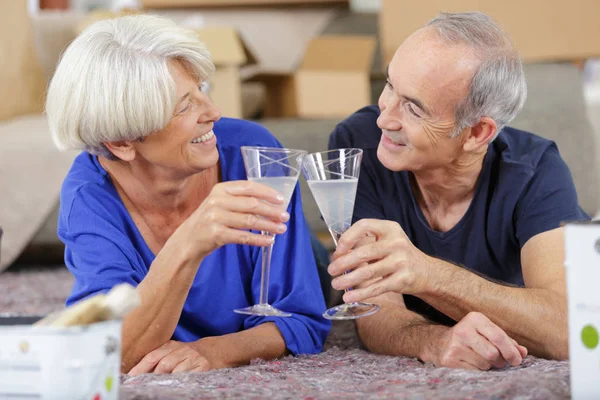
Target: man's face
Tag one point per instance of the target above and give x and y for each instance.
(427, 79)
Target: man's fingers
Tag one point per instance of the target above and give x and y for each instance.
(356, 257)
(522, 349)
(357, 232)
(464, 358)
(377, 288)
(364, 273)
(487, 351)
(503, 343)
(465, 365)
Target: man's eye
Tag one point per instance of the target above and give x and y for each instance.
(412, 110)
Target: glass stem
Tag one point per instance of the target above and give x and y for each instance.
(336, 236)
(266, 271)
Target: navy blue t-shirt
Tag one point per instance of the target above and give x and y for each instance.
(525, 188)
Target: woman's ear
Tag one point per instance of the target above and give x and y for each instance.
(481, 134)
(122, 149)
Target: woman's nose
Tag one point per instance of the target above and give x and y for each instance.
(211, 113)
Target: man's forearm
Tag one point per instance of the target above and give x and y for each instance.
(536, 318)
(394, 330)
(263, 341)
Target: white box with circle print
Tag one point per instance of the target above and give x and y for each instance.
(582, 263)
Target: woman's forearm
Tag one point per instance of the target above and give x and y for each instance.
(263, 341)
(163, 293)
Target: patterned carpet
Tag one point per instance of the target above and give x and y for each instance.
(342, 370)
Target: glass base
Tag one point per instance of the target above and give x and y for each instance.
(351, 311)
(265, 310)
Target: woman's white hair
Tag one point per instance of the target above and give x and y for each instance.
(113, 82)
(498, 89)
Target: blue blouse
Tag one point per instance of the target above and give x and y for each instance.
(105, 248)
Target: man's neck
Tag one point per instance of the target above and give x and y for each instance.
(442, 188)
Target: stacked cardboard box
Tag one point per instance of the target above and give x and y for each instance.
(542, 30)
(302, 74)
(229, 53)
(333, 80)
(231, 3)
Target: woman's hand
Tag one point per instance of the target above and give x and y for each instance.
(228, 214)
(173, 357)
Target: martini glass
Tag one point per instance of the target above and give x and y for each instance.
(279, 169)
(332, 177)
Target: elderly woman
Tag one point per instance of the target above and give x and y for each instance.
(158, 199)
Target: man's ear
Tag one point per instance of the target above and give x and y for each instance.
(122, 149)
(480, 134)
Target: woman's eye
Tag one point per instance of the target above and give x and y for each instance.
(187, 107)
(203, 87)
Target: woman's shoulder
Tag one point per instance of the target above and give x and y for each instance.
(232, 132)
(86, 190)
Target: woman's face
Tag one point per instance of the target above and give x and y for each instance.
(187, 145)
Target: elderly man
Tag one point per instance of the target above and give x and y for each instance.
(459, 236)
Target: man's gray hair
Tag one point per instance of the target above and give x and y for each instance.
(498, 89)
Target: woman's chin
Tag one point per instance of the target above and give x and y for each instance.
(208, 159)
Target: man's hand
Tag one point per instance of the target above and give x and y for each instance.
(173, 357)
(391, 256)
(475, 343)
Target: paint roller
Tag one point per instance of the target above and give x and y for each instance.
(115, 304)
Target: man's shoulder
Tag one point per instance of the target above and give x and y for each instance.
(518, 148)
(358, 130)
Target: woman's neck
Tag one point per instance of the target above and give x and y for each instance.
(154, 191)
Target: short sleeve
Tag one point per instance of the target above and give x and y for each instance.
(549, 199)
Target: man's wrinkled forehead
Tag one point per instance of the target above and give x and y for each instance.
(426, 60)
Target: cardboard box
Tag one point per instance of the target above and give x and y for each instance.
(333, 80)
(81, 362)
(229, 54)
(233, 3)
(582, 261)
(542, 30)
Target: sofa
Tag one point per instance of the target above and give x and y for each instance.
(31, 169)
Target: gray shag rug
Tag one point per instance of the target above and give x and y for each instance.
(342, 370)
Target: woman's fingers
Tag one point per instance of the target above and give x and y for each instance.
(248, 205)
(252, 189)
(236, 220)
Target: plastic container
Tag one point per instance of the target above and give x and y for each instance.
(81, 362)
(582, 262)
